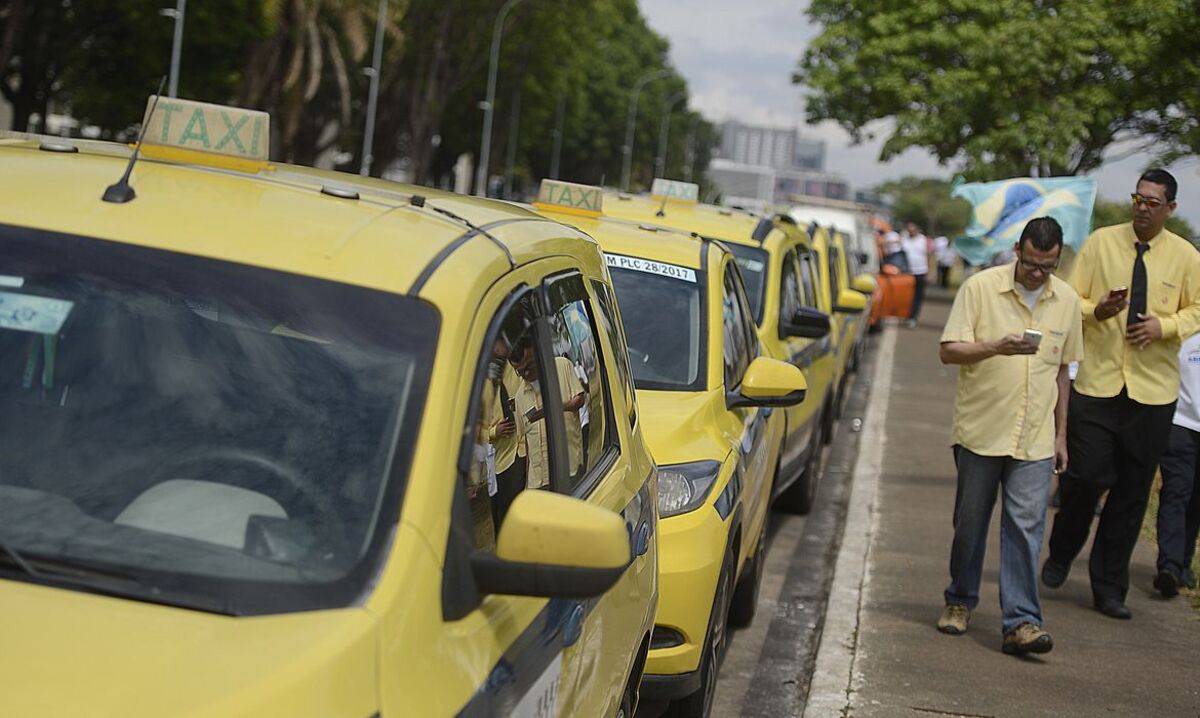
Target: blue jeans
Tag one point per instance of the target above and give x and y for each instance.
(1026, 487)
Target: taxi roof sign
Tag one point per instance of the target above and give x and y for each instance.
(569, 197)
(192, 126)
(675, 191)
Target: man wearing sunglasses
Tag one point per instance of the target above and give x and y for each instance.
(1013, 330)
(1139, 288)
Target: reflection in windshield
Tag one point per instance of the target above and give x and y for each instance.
(753, 264)
(211, 430)
(663, 328)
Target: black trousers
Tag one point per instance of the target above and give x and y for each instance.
(509, 483)
(918, 296)
(1113, 445)
(1179, 502)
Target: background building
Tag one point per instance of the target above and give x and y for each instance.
(756, 166)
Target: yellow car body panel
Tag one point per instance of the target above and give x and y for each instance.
(392, 651)
(690, 426)
(817, 358)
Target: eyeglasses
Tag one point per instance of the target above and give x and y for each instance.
(1151, 202)
(1035, 267)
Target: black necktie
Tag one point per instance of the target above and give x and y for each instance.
(505, 409)
(1137, 287)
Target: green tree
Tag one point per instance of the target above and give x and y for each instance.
(1004, 87)
(927, 202)
(1108, 213)
(99, 61)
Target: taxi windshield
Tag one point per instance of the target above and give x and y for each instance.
(196, 432)
(753, 263)
(663, 327)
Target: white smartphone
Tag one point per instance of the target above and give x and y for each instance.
(1033, 336)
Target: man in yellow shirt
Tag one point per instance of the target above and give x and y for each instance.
(1013, 329)
(530, 415)
(1139, 290)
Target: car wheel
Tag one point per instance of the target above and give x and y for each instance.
(745, 596)
(799, 497)
(700, 703)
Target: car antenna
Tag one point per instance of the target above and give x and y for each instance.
(662, 209)
(121, 192)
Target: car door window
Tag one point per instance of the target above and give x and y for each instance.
(808, 279)
(579, 375)
(505, 448)
(791, 289)
(736, 351)
(616, 339)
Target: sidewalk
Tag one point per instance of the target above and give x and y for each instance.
(881, 654)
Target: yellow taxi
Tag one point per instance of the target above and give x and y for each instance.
(847, 305)
(282, 442)
(706, 394)
(788, 304)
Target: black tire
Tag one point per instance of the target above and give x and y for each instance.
(800, 496)
(699, 704)
(827, 419)
(745, 596)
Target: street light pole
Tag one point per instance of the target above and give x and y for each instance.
(176, 45)
(690, 149)
(373, 94)
(627, 150)
(485, 146)
(660, 160)
(556, 155)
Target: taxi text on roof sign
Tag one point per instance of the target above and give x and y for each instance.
(570, 197)
(674, 191)
(203, 127)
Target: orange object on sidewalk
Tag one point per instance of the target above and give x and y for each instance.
(896, 292)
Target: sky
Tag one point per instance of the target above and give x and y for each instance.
(738, 59)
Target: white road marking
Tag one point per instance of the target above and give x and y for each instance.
(835, 676)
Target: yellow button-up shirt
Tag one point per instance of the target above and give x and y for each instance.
(506, 446)
(537, 451)
(1151, 375)
(1005, 404)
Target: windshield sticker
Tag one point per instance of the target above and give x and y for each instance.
(27, 313)
(637, 264)
(7, 280)
(750, 265)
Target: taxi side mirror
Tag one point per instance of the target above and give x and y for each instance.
(806, 322)
(850, 302)
(769, 382)
(554, 546)
(865, 283)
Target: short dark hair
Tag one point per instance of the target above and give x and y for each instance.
(1044, 233)
(1162, 177)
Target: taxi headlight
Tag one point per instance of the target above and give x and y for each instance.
(683, 487)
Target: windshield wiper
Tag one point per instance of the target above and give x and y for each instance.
(109, 582)
(18, 561)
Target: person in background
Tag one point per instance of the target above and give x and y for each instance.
(530, 415)
(917, 249)
(893, 251)
(1010, 426)
(1179, 500)
(946, 257)
(1139, 287)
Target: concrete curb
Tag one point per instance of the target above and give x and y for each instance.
(835, 678)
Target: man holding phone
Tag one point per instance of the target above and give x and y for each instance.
(530, 414)
(1139, 289)
(1013, 330)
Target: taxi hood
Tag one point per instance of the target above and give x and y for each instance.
(70, 653)
(683, 426)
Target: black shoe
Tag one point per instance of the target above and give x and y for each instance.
(1054, 574)
(1167, 584)
(1113, 608)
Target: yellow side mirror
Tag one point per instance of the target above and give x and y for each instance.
(865, 283)
(770, 382)
(850, 302)
(547, 528)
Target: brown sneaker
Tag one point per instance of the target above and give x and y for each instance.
(954, 619)
(1027, 638)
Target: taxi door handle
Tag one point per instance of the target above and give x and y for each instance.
(573, 626)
